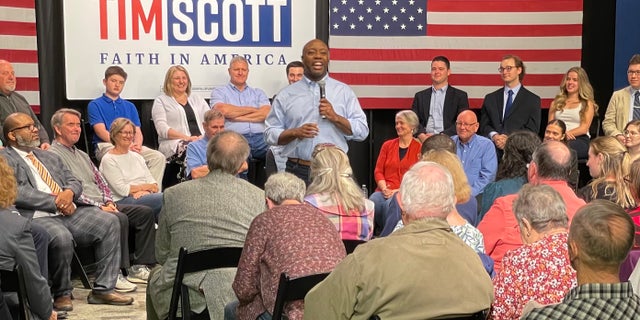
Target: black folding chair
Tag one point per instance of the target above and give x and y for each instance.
(294, 289)
(350, 245)
(13, 281)
(195, 262)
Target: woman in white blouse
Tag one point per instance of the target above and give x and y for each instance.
(575, 106)
(177, 115)
(126, 171)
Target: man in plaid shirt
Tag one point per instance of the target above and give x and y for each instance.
(600, 238)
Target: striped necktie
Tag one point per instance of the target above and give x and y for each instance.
(44, 174)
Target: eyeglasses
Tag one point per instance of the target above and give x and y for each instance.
(31, 127)
(126, 133)
(631, 133)
(633, 72)
(508, 68)
(465, 125)
(321, 147)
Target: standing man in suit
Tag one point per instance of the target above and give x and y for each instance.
(510, 108)
(438, 106)
(624, 105)
(220, 219)
(47, 193)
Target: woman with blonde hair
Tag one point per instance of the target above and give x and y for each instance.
(460, 226)
(575, 105)
(177, 114)
(609, 164)
(336, 194)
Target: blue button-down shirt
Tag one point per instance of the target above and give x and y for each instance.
(479, 161)
(436, 109)
(299, 103)
(249, 97)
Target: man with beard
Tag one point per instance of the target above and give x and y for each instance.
(11, 102)
(47, 192)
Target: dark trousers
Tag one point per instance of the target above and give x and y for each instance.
(41, 243)
(299, 170)
(139, 221)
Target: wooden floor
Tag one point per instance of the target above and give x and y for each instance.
(84, 311)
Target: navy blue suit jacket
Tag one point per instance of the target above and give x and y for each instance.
(525, 113)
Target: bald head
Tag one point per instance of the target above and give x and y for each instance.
(227, 151)
(7, 78)
(19, 130)
(553, 162)
(466, 125)
(315, 57)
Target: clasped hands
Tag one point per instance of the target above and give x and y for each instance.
(64, 202)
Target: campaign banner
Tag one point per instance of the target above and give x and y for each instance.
(146, 37)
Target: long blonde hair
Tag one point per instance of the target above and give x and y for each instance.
(332, 173)
(8, 185)
(615, 164)
(450, 161)
(585, 93)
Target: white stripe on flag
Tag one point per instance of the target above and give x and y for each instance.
(504, 18)
(18, 42)
(17, 14)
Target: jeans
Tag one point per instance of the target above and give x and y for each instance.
(381, 209)
(299, 171)
(153, 201)
(230, 312)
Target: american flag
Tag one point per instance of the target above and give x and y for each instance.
(383, 49)
(18, 45)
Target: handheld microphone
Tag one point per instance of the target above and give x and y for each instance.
(323, 93)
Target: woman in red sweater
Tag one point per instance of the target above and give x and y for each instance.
(395, 158)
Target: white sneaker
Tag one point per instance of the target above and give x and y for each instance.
(138, 274)
(124, 286)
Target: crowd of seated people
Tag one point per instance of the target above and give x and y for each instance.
(533, 230)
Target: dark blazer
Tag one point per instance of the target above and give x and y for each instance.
(525, 113)
(16, 248)
(29, 197)
(455, 101)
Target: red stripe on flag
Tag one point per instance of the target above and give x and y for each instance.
(550, 30)
(35, 108)
(453, 54)
(27, 84)
(17, 28)
(503, 5)
(404, 79)
(18, 3)
(405, 103)
(24, 56)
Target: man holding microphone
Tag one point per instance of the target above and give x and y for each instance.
(293, 124)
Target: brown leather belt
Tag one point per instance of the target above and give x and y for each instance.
(300, 161)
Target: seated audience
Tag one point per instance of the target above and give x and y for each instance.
(467, 209)
(575, 105)
(334, 192)
(556, 131)
(17, 249)
(539, 270)
(512, 170)
(476, 153)
(95, 192)
(197, 151)
(609, 164)
(460, 226)
(177, 114)
(273, 246)
(47, 194)
(213, 211)
(384, 276)
(395, 158)
(632, 139)
(110, 106)
(600, 237)
(129, 178)
(634, 188)
(550, 165)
